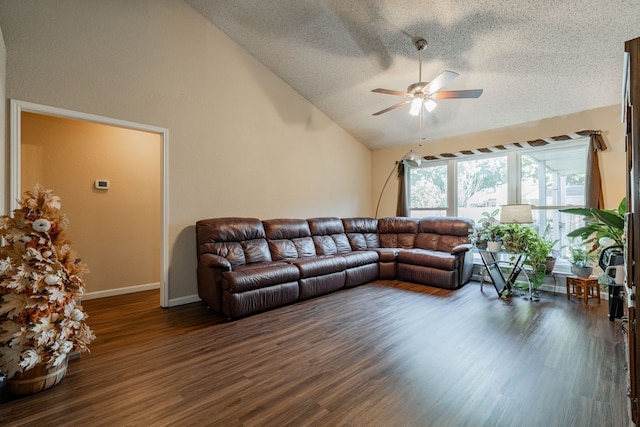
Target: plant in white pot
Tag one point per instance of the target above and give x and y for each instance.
(41, 319)
(489, 232)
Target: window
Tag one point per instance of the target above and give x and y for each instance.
(429, 190)
(481, 184)
(550, 179)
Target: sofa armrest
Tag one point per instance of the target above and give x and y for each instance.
(215, 261)
(461, 248)
(465, 266)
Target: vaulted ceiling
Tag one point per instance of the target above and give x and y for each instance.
(534, 59)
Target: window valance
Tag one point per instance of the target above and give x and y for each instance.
(514, 146)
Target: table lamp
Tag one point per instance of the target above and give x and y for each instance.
(516, 214)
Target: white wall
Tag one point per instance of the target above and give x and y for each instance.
(607, 119)
(241, 142)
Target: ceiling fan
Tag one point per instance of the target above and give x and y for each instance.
(425, 94)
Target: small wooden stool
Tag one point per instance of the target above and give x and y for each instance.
(583, 288)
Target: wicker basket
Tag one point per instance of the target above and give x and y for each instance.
(37, 379)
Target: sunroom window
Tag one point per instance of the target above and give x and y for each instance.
(550, 179)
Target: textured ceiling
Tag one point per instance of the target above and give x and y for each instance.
(534, 58)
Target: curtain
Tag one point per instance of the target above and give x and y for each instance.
(402, 208)
(593, 187)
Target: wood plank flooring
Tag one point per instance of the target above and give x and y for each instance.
(385, 354)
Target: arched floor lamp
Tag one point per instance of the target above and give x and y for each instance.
(412, 159)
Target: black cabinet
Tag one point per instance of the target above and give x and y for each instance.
(632, 140)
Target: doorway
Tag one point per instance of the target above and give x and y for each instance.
(111, 177)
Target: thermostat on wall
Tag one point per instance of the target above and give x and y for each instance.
(102, 184)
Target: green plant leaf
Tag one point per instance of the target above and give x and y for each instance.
(584, 232)
(610, 218)
(622, 207)
(578, 211)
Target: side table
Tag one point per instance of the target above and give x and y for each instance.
(504, 286)
(584, 288)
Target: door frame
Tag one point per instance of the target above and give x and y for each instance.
(15, 126)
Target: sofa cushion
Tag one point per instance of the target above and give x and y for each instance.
(446, 279)
(442, 234)
(453, 226)
(305, 247)
(319, 265)
(282, 250)
(359, 258)
(362, 233)
(397, 232)
(255, 276)
(239, 304)
(387, 254)
(428, 241)
(286, 228)
(240, 240)
(426, 258)
(289, 238)
(329, 236)
(292, 249)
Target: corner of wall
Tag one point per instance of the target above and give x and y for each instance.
(4, 181)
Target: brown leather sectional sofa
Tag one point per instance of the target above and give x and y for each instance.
(246, 265)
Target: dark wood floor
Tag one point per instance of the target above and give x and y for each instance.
(384, 354)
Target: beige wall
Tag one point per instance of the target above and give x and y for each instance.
(241, 142)
(607, 119)
(115, 231)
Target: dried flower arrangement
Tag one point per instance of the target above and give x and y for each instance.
(41, 321)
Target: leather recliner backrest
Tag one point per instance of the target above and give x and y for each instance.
(329, 236)
(442, 234)
(289, 239)
(397, 232)
(240, 240)
(362, 233)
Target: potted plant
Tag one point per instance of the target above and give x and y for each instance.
(549, 244)
(539, 249)
(41, 319)
(522, 239)
(489, 231)
(581, 261)
(516, 237)
(602, 226)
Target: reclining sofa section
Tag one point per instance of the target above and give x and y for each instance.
(246, 265)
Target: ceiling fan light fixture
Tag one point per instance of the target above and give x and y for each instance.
(416, 104)
(421, 93)
(430, 105)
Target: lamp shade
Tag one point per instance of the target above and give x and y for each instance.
(412, 159)
(516, 214)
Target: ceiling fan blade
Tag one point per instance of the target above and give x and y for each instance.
(451, 94)
(440, 81)
(393, 107)
(390, 92)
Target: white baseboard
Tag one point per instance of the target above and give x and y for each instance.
(139, 288)
(121, 291)
(183, 300)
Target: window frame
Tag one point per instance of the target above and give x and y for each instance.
(514, 181)
(514, 187)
